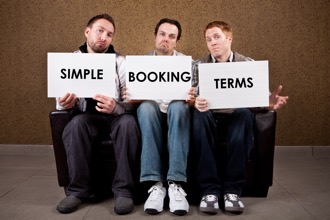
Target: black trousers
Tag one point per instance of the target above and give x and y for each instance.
(79, 136)
(237, 129)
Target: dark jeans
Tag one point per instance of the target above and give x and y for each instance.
(238, 129)
(86, 129)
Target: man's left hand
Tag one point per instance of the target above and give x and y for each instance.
(105, 104)
(275, 100)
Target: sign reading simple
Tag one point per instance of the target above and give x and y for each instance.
(84, 74)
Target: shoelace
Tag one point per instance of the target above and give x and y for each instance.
(232, 197)
(156, 192)
(211, 198)
(178, 192)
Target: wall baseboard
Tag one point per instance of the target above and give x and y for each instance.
(26, 150)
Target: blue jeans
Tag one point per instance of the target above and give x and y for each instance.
(177, 126)
(237, 127)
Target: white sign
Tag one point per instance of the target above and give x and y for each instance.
(234, 84)
(158, 77)
(85, 74)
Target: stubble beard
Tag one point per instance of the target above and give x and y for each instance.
(97, 49)
(163, 50)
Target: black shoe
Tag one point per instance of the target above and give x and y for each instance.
(69, 204)
(123, 205)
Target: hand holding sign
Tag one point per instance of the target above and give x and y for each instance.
(69, 100)
(201, 104)
(105, 104)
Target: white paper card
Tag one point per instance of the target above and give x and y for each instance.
(158, 77)
(84, 74)
(234, 84)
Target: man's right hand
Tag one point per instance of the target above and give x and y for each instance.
(69, 100)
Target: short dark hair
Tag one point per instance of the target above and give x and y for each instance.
(170, 21)
(101, 16)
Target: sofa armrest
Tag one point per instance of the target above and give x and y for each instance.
(58, 120)
(264, 146)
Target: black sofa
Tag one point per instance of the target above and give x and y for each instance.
(259, 169)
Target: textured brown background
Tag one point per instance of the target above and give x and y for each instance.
(292, 34)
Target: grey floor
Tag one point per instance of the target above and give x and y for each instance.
(29, 190)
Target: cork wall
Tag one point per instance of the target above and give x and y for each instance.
(293, 35)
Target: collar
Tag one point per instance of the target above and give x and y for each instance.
(175, 53)
(230, 59)
(83, 49)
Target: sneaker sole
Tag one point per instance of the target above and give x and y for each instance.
(68, 210)
(209, 210)
(179, 212)
(237, 210)
(124, 211)
(152, 211)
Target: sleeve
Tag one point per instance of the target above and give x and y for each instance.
(121, 106)
(195, 80)
(58, 105)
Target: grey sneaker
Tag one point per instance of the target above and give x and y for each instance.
(69, 204)
(123, 205)
(233, 203)
(178, 202)
(209, 204)
(155, 201)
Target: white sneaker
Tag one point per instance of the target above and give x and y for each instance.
(233, 203)
(209, 204)
(155, 201)
(178, 202)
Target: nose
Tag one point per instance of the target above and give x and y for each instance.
(103, 36)
(213, 41)
(166, 37)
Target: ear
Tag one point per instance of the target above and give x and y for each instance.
(177, 43)
(87, 30)
(230, 39)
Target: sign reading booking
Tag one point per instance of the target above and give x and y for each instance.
(158, 77)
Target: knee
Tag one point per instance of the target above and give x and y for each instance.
(147, 108)
(200, 117)
(179, 108)
(244, 117)
(128, 121)
(78, 124)
(244, 113)
(79, 121)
